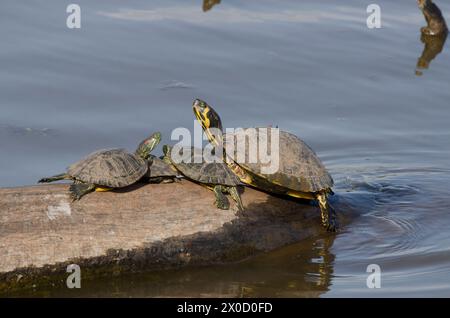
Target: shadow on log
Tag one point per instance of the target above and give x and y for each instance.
(147, 227)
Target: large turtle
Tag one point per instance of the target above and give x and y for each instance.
(214, 175)
(300, 173)
(106, 169)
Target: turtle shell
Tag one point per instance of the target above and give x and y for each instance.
(198, 170)
(158, 168)
(299, 167)
(115, 168)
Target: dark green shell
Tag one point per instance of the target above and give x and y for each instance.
(300, 169)
(196, 169)
(115, 168)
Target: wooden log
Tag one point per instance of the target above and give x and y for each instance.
(145, 227)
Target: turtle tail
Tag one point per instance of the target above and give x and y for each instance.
(61, 176)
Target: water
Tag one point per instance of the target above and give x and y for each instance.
(310, 67)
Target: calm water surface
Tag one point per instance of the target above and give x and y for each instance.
(380, 125)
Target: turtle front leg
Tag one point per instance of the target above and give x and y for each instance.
(222, 201)
(77, 190)
(233, 191)
(61, 176)
(327, 212)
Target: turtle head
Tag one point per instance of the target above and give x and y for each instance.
(147, 145)
(209, 119)
(166, 151)
(422, 3)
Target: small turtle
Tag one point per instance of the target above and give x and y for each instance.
(104, 170)
(215, 176)
(300, 173)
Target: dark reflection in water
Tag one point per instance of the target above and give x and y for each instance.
(299, 270)
(208, 4)
(433, 45)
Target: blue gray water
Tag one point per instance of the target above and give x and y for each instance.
(311, 67)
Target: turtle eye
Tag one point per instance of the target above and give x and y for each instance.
(198, 103)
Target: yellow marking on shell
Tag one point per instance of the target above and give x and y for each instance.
(300, 195)
(248, 180)
(102, 189)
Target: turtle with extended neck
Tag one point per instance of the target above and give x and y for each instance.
(301, 173)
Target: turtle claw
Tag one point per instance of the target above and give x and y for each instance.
(74, 197)
(78, 190)
(332, 227)
(330, 223)
(222, 201)
(329, 226)
(222, 205)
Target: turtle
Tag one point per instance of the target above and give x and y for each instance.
(106, 169)
(300, 174)
(216, 176)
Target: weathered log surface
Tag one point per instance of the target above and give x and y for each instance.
(146, 227)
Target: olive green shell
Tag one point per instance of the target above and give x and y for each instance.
(300, 169)
(214, 173)
(158, 168)
(115, 168)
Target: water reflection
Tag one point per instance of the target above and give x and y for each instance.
(433, 45)
(304, 269)
(325, 262)
(208, 4)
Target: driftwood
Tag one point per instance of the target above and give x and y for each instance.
(146, 227)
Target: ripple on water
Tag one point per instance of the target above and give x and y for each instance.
(174, 84)
(26, 131)
(401, 226)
